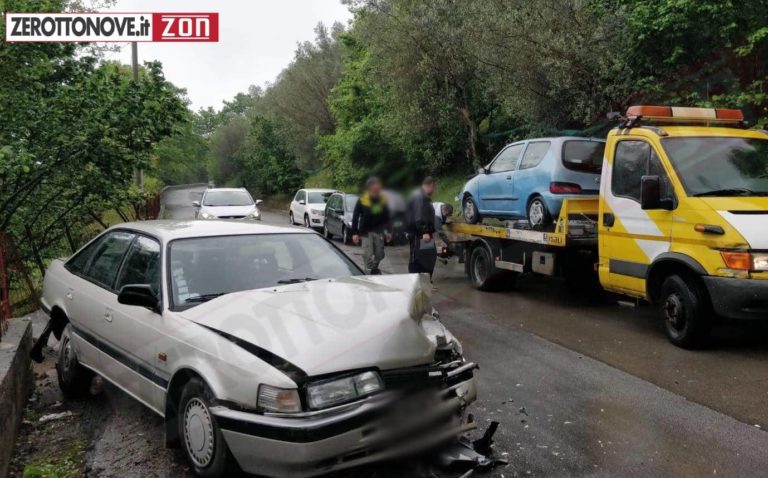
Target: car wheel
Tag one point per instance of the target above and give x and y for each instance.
(538, 215)
(686, 313)
(74, 379)
(346, 238)
(306, 221)
(471, 214)
(201, 438)
(290, 216)
(483, 272)
(326, 232)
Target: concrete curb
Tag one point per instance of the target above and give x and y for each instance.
(16, 384)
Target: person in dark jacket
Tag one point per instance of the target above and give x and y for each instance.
(421, 228)
(371, 224)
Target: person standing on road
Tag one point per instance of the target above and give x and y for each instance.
(371, 224)
(421, 229)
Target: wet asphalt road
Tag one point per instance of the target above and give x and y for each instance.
(580, 389)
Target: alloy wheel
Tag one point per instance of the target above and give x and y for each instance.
(536, 212)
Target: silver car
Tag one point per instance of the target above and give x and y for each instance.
(227, 203)
(264, 348)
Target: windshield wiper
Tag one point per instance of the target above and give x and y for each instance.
(295, 281)
(732, 192)
(204, 297)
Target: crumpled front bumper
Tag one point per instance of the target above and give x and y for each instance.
(380, 427)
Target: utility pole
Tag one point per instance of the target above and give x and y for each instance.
(138, 174)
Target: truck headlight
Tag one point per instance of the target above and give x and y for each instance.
(760, 261)
(274, 399)
(318, 212)
(328, 393)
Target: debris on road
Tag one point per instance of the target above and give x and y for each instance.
(55, 416)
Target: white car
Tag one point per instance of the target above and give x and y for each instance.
(227, 203)
(308, 207)
(264, 348)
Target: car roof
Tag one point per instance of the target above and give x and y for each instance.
(562, 138)
(168, 230)
(319, 190)
(224, 189)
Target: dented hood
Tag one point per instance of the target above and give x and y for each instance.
(329, 325)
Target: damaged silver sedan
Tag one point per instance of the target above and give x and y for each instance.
(264, 348)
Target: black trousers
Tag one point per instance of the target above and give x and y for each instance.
(415, 267)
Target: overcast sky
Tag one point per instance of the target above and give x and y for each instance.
(257, 39)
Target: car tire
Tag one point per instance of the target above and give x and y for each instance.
(484, 274)
(345, 237)
(470, 211)
(201, 439)
(684, 306)
(290, 216)
(326, 232)
(307, 224)
(537, 213)
(74, 379)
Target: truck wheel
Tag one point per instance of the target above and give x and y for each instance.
(471, 213)
(538, 214)
(686, 313)
(482, 271)
(201, 438)
(74, 379)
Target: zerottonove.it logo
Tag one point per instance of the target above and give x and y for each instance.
(100, 27)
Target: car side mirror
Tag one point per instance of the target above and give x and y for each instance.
(196, 203)
(141, 295)
(259, 201)
(482, 170)
(302, 202)
(651, 195)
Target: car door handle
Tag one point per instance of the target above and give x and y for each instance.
(608, 219)
(108, 315)
(509, 178)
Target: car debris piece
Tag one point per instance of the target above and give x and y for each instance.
(55, 416)
(475, 455)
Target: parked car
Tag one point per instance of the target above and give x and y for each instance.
(529, 179)
(227, 203)
(338, 216)
(263, 348)
(397, 209)
(308, 207)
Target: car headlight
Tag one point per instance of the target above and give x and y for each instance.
(318, 212)
(256, 215)
(205, 215)
(760, 261)
(274, 399)
(328, 393)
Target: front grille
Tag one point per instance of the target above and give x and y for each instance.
(231, 217)
(422, 377)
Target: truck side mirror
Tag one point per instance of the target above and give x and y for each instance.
(651, 195)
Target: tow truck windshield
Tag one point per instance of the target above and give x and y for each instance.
(720, 167)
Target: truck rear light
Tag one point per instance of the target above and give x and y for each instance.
(564, 188)
(739, 260)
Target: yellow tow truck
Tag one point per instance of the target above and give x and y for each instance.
(681, 221)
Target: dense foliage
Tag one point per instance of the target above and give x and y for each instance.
(73, 132)
(416, 86)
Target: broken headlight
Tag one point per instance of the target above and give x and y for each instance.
(328, 393)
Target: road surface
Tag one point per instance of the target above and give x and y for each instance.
(579, 389)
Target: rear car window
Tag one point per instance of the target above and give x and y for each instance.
(587, 156)
(534, 154)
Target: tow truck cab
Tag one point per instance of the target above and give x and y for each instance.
(683, 216)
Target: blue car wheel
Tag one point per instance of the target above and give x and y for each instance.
(470, 211)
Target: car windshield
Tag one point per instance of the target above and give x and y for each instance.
(580, 155)
(317, 197)
(207, 267)
(720, 166)
(351, 200)
(227, 198)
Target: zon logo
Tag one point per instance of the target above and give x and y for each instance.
(195, 27)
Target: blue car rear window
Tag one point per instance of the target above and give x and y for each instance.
(586, 156)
